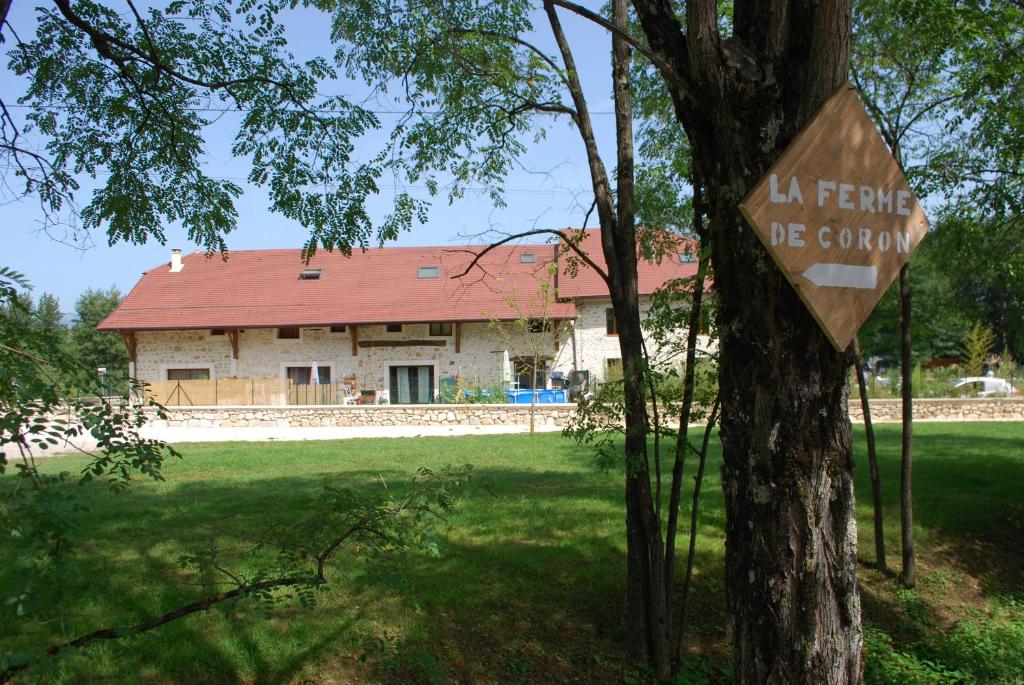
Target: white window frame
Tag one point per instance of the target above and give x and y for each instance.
(329, 363)
(212, 368)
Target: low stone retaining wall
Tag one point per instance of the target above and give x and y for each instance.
(990, 409)
(882, 411)
(377, 415)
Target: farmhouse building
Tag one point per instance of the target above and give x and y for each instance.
(394, 319)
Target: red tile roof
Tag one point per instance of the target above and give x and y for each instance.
(651, 275)
(262, 288)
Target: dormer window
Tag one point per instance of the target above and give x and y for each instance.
(428, 272)
(527, 258)
(687, 258)
(310, 274)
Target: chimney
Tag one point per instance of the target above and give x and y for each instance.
(176, 264)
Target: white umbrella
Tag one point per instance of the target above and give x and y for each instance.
(506, 367)
(314, 373)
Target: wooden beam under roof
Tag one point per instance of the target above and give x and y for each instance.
(132, 344)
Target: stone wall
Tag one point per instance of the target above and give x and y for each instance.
(883, 411)
(390, 415)
(991, 409)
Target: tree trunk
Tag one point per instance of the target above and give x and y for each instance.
(908, 576)
(647, 611)
(876, 482)
(787, 463)
(788, 478)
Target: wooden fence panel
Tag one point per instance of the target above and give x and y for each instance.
(225, 391)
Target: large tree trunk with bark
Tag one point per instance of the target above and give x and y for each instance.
(788, 466)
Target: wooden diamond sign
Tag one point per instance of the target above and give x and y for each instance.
(837, 215)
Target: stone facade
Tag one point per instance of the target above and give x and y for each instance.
(583, 344)
(595, 346)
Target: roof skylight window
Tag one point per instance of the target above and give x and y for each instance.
(428, 272)
(310, 274)
(527, 258)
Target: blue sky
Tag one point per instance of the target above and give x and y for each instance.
(551, 190)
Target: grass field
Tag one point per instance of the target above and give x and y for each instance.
(528, 586)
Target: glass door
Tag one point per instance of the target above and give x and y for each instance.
(412, 384)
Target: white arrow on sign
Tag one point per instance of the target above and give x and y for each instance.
(843, 276)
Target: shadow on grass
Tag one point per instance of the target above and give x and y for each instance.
(968, 503)
(530, 578)
(529, 585)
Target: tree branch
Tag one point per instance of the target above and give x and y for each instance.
(105, 43)
(319, 578)
(670, 72)
(540, 231)
(598, 174)
(5, 7)
(519, 41)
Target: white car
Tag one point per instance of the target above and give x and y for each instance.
(984, 386)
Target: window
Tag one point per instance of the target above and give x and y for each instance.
(440, 329)
(428, 272)
(538, 326)
(303, 375)
(337, 329)
(188, 374)
(687, 257)
(610, 325)
(527, 258)
(217, 331)
(287, 333)
(310, 274)
(394, 328)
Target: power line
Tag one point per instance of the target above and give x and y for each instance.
(397, 186)
(222, 110)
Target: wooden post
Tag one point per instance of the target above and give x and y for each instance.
(131, 343)
(233, 337)
(458, 337)
(355, 340)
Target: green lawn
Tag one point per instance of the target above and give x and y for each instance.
(529, 583)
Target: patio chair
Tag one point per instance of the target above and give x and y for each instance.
(346, 397)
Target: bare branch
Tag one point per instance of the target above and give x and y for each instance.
(243, 590)
(668, 71)
(519, 41)
(598, 174)
(540, 231)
